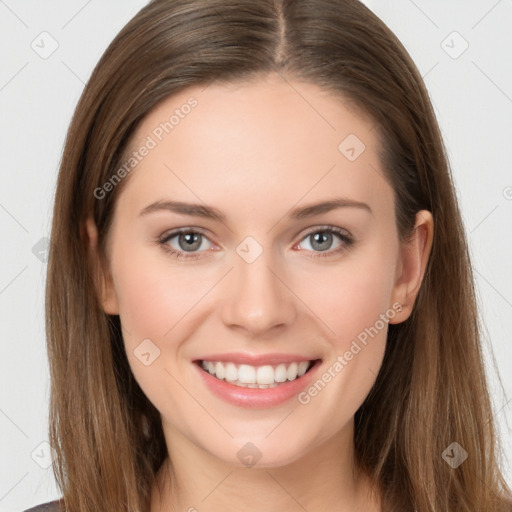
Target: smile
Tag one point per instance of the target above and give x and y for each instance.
(262, 377)
(262, 381)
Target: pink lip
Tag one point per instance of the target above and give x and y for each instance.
(256, 359)
(255, 397)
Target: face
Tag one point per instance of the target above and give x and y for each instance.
(253, 283)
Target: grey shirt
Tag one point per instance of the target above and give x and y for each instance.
(51, 506)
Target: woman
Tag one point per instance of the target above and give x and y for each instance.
(259, 294)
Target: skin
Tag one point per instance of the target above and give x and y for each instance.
(255, 151)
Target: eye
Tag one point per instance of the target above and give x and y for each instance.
(321, 239)
(187, 243)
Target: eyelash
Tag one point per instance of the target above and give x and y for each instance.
(347, 240)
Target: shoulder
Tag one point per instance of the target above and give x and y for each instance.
(51, 506)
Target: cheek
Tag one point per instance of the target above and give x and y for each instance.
(153, 298)
(161, 303)
(353, 300)
(350, 296)
(157, 303)
(348, 374)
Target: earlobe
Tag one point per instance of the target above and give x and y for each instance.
(105, 290)
(414, 256)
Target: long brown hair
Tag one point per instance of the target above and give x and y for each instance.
(431, 389)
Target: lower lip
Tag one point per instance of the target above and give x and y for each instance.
(255, 397)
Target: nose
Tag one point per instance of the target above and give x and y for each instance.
(257, 297)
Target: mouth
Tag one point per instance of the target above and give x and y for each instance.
(258, 381)
(266, 376)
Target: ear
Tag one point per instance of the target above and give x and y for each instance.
(414, 254)
(102, 276)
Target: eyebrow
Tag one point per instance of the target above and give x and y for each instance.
(209, 212)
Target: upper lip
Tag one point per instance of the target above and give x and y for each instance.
(256, 359)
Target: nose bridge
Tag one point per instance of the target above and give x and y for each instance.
(257, 299)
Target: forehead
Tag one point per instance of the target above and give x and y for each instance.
(269, 141)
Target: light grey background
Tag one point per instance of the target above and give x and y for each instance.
(472, 94)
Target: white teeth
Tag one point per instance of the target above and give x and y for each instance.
(220, 372)
(280, 373)
(303, 366)
(292, 371)
(262, 377)
(246, 374)
(231, 372)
